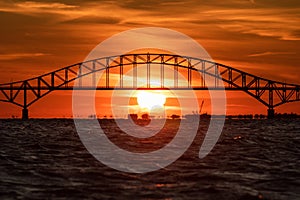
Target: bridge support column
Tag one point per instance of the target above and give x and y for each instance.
(25, 115)
(271, 113)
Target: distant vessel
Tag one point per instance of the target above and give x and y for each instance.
(197, 115)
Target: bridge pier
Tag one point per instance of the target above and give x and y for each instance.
(271, 113)
(25, 115)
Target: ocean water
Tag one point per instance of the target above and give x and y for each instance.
(253, 159)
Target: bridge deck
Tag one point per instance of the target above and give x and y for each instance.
(150, 88)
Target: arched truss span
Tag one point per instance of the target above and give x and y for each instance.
(269, 92)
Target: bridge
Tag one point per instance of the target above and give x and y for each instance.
(114, 68)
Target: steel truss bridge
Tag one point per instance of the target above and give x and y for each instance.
(269, 92)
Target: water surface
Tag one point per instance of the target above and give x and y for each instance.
(253, 159)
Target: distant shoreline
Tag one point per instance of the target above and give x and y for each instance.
(202, 116)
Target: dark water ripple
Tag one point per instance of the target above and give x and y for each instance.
(254, 159)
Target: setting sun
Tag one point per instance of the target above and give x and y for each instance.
(150, 100)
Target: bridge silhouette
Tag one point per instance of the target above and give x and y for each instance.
(269, 92)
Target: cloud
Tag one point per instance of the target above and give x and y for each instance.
(268, 53)
(94, 20)
(41, 5)
(148, 5)
(41, 9)
(235, 16)
(280, 23)
(14, 56)
(31, 7)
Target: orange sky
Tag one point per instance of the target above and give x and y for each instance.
(261, 37)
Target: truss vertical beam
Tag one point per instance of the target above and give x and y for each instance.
(121, 71)
(79, 75)
(134, 72)
(176, 72)
(148, 70)
(243, 80)
(25, 110)
(271, 96)
(53, 80)
(203, 74)
(257, 83)
(107, 72)
(94, 75)
(284, 92)
(230, 77)
(66, 77)
(271, 112)
(25, 94)
(11, 92)
(216, 76)
(162, 75)
(189, 74)
(39, 87)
